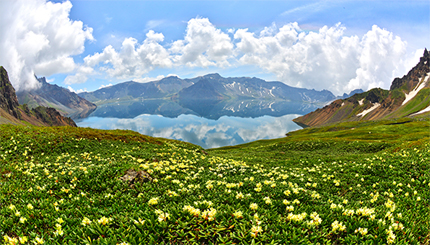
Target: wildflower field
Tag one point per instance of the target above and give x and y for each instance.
(352, 183)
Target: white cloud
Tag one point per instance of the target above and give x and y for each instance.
(105, 86)
(76, 91)
(149, 79)
(153, 23)
(133, 60)
(380, 56)
(203, 45)
(325, 59)
(80, 76)
(37, 37)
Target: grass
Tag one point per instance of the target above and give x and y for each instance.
(357, 182)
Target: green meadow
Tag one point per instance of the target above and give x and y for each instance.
(349, 183)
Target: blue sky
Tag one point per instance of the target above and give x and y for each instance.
(334, 45)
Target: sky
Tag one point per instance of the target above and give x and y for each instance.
(335, 45)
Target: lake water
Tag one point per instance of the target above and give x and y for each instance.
(209, 125)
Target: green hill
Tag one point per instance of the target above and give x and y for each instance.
(355, 182)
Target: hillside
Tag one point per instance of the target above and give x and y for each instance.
(13, 113)
(408, 96)
(351, 183)
(51, 95)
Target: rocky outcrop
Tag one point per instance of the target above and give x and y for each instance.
(12, 112)
(8, 101)
(410, 80)
(408, 96)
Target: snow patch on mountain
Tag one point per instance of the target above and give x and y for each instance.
(417, 89)
(363, 113)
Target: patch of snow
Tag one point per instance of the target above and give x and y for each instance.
(343, 103)
(416, 90)
(363, 113)
(361, 102)
(422, 111)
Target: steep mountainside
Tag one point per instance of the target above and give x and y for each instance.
(12, 113)
(408, 96)
(66, 102)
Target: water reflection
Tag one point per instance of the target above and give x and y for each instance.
(210, 109)
(208, 123)
(201, 131)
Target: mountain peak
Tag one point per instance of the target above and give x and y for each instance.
(212, 76)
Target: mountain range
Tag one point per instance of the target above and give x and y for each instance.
(211, 87)
(408, 96)
(13, 113)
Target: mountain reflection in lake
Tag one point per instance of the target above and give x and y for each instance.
(220, 124)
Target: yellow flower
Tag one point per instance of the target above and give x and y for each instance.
(86, 221)
(238, 214)
(60, 220)
(140, 221)
(153, 201)
(255, 229)
(362, 231)
(239, 195)
(267, 200)
(23, 239)
(10, 240)
(103, 220)
(336, 225)
(22, 220)
(39, 240)
(253, 206)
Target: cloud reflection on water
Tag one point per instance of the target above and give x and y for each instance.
(201, 131)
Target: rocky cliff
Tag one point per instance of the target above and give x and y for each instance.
(408, 96)
(13, 113)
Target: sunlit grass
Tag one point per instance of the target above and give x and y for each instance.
(62, 185)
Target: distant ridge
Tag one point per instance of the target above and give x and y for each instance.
(13, 113)
(51, 95)
(408, 96)
(211, 87)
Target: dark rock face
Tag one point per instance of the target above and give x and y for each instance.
(8, 99)
(37, 116)
(52, 117)
(410, 80)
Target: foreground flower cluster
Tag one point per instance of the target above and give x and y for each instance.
(76, 194)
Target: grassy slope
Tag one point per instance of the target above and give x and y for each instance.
(70, 174)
